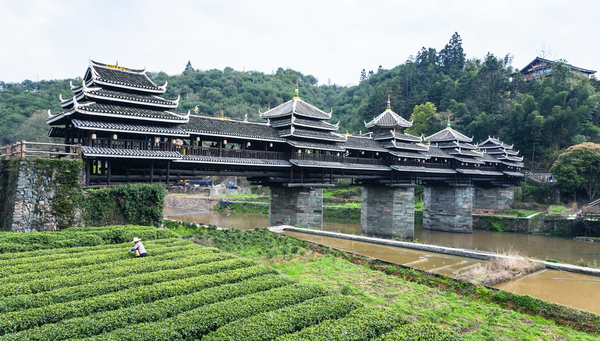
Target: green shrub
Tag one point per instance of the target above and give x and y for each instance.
(421, 332)
(134, 267)
(20, 302)
(157, 254)
(25, 319)
(67, 263)
(107, 321)
(267, 326)
(362, 324)
(195, 323)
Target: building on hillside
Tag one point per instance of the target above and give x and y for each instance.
(540, 67)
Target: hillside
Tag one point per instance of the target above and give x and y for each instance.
(482, 97)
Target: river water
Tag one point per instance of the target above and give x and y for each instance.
(537, 246)
(575, 290)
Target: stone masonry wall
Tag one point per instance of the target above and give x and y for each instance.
(448, 208)
(296, 206)
(32, 201)
(493, 198)
(388, 212)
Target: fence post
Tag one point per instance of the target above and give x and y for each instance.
(78, 151)
(23, 149)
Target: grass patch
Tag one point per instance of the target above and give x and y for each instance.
(499, 269)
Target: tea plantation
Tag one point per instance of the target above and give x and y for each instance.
(83, 284)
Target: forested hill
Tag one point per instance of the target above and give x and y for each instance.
(482, 96)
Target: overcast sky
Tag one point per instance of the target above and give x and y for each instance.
(330, 39)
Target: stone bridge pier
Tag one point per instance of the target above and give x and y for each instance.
(493, 198)
(448, 208)
(388, 212)
(300, 206)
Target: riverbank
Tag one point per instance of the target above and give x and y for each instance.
(470, 311)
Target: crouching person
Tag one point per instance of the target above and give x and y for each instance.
(138, 248)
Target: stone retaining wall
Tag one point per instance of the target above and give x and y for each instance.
(191, 202)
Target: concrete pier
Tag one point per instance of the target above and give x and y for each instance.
(448, 208)
(296, 206)
(493, 198)
(388, 212)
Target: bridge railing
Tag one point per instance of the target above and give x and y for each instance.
(335, 158)
(25, 149)
(421, 164)
(233, 153)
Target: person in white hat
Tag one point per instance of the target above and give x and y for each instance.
(138, 248)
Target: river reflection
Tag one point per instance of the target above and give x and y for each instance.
(538, 246)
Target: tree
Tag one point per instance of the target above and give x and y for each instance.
(424, 120)
(452, 56)
(579, 168)
(363, 75)
(188, 66)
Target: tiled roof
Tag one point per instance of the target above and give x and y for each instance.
(130, 128)
(478, 172)
(362, 143)
(517, 174)
(316, 145)
(437, 152)
(120, 77)
(448, 134)
(464, 152)
(234, 161)
(129, 112)
(318, 124)
(129, 97)
(403, 145)
(312, 134)
(129, 153)
(388, 119)
(456, 144)
(416, 169)
(399, 136)
(230, 128)
(298, 107)
(487, 158)
(466, 159)
(510, 158)
(513, 164)
(408, 155)
(493, 143)
(323, 164)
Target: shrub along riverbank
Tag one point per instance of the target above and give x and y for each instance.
(475, 312)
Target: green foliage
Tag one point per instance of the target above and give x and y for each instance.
(579, 168)
(29, 318)
(72, 237)
(9, 172)
(421, 332)
(198, 322)
(142, 203)
(544, 193)
(268, 326)
(424, 120)
(185, 258)
(362, 324)
(107, 321)
(103, 287)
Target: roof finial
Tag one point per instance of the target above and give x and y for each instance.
(448, 125)
(296, 91)
(117, 64)
(389, 106)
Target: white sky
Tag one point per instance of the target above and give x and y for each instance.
(333, 39)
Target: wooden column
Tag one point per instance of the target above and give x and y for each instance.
(152, 171)
(108, 173)
(88, 172)
(168, 171)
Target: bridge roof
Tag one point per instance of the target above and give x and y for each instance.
(234, 161)
(403, 145)
(478, 172)
(231, 128)
(100, 94)
(120, 77)
(396, 135)
(317, 145)
(301, 122)
(388, 119)
(298, 107)
(129, 153)
(324, 164)
(112, 111)
(403, 154)
(417, 169)
(129, 128)
(362, 143)
(448, 134)
(312, 134)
